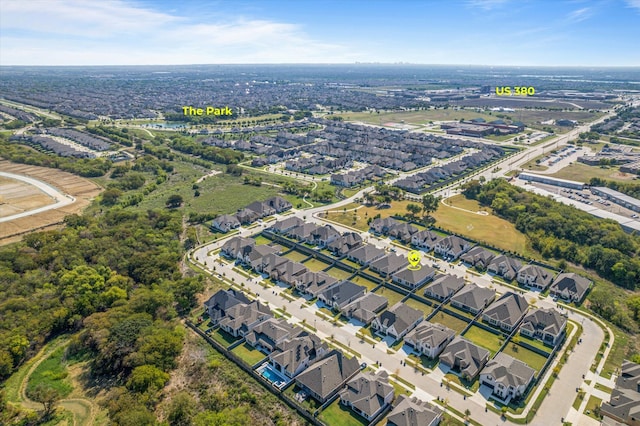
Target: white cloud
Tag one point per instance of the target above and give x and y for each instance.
(487, 4)
(580, 15)
(76, 32)
(634, 4)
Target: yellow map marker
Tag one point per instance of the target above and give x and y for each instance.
(414, 257)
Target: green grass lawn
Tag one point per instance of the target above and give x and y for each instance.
(416, 117)
(525, 355)
(460, 311)
(359, 221)
(419, 305)
(370, 285)
(261, 239)
(593, 404)
(617, 354)
(52, 372)
(471, 386)
(338, 273)
(392, 296)
(296, 256)
(222, 337)
(424, 361)
(483, 338)
(315, 265)
(583, 173)
(491, 229)
(450, 321)
(339, 415)
(308, 404)
(534, 342)
(248, 354)
(603, 388)
(350, 263)
(398, 389)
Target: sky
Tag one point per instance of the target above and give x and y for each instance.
(467, 32)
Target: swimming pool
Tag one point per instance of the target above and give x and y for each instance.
(267, 371)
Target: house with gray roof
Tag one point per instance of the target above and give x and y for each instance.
(478, 257)
(288, 273)
(397, 321)
(225, 223)
(473, 298)
(403, 231)
(451, 247)
(313, 283)
(365, 254)
(237, 247)
(443, 287)
(505, 266)
(247, 216)
(464, 357)
(365, 308)
(507, 311)
(341, 294)
(429, 338)
(384, 225)
(570, 287)
(285, 225)
(324, 235)
(292, 356)
(303, 232)
(412, 278)
(413, 412)
(425, 239)
(508, 377)
(324, 378)
(241, 318)
(223, 300)
(266, 263)
(387, 265)
(278, 204)
(368, 394)
(261, 208)
(547, 325)
(267, 335)
(624, 405)
(345, 243)
(534, 276)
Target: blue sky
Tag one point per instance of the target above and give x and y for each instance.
(478, 32)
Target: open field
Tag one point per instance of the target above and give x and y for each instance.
(416, 117)
(362, 214)
(83, 190)
(583, 173)
(17, 197)
(490, 228)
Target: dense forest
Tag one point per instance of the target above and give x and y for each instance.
(564, 232)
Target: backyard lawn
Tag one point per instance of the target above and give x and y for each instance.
(222, 337)
(261, 239)
(316, 265)
(338, 414)
(370, 285)
(525, 355)
(296, 256)
(450, 321)
(338, 273)
(392, 296)
(419, 305)
(484, 338)
(593, 405)
(248, 354)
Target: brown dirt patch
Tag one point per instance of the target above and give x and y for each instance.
(82, 189)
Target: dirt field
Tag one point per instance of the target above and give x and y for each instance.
(82, 189)
(17, 197)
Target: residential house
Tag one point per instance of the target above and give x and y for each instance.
(345, 243)
(285, 225)
(464, 357)
(314, 282)
(505, 266)
(397, 321)
(624, 405)
(261, 208)
(547, 325)
(324, 235)
(267, 263)
(218, 304)
(267, 335)
(478, 257)
(473, 298)
(365, 308)
(383, 226)
(288, 273)
(322, 379)
(247, 216)
(368, 394)
(413, 412)
(571, 287)
(425, 240)
(293, 356)
(237, 247)
(534, 276)
(278, 204)
(303, 233)
(451, 247)
(388, 264)
(507, 311)
(241, 318)
(443, 287)
(429, 339)
(508, 377)
(365, 254)
(253, 257)
(403, 232)
(341, 294)
(413, 278)
(225, 223)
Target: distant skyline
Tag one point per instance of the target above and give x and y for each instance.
(467, 32)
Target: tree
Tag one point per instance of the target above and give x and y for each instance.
(181, 409)
(110, 196)
(430, 204)
(147, 377)
(413, 210)
(47, 396)
(174, 201)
